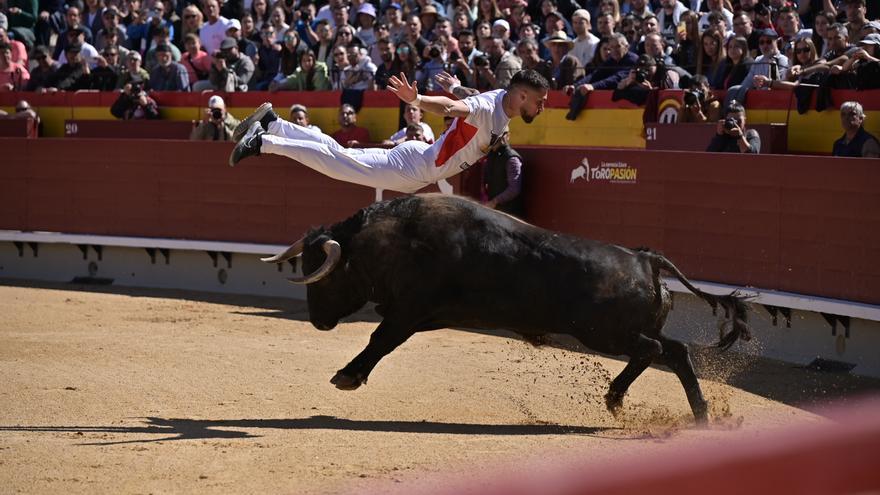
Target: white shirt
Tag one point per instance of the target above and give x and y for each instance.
(466, 140)
(400, 136)
(728, 18)
(89, 52)
(585, 49)
(211, 35)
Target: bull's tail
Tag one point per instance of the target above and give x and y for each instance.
(734, 304)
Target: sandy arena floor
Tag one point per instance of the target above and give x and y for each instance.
(141, 391)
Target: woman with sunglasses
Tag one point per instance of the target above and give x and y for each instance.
(805, 62)
(190, 24)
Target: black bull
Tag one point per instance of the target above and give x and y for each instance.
(434, 261)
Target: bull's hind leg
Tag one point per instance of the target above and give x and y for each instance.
(387, 336)
(642, 353)
(676, 356)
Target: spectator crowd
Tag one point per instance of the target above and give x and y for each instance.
(630, 46)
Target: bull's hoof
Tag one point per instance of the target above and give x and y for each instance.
(344, 381)
(701, 414)
(614, 402)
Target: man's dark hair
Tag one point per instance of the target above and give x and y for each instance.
(735, 107)
(530, 79)
(465, 32)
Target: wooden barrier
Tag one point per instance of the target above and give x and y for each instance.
(26, 128)
(128, 129)
(696, 137)
(798, 224)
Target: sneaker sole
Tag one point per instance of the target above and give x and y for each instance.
(233, 157)
(242, 128)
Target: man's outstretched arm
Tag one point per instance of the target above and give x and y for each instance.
(441, 105)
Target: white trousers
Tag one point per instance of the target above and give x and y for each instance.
(404, 168)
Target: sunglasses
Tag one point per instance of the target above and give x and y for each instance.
(802, 50)
(766, 42)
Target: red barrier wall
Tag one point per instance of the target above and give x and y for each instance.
(173, 189)
(807, 225)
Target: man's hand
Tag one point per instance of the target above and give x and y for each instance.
(406, 91)
(446, 81)
(735, 132)
(585, 88)
(761, 81)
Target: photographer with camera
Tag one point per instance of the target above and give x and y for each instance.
(217, 124)
(230, 70)
(731, 135)
(134, 104)
(435, 64)
(699, 103)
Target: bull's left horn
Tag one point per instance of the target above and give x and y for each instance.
(334, 252)
(293, 251)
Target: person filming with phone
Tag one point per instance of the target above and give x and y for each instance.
(731, 135)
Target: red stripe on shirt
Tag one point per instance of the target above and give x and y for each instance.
(458, 137)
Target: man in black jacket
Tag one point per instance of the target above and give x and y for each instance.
(731, 135)
(502, 178)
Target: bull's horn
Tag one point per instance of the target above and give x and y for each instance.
(293, 251)
(334, 252)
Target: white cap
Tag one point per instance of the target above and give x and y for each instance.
(502, 23)
(233, 23)
(216, 102)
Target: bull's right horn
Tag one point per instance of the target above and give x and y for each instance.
(334, 252)
(293, 251)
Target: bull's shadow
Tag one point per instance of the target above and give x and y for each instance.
(199, 429)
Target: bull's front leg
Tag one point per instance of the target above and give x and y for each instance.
(384, 339)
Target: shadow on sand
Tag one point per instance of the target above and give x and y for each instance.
(194, 429)
(771, 379)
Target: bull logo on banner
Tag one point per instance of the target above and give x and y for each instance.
(611, 172)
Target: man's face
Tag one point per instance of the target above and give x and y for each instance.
(134, 63)
(412, 115)
(347, 117)
(714, 4)
(164, 58)
(442, 28)
(73, 57)
(6, 56)
(386, 51)
(581, 26)
(299, 118)
(340, 16)
(653, 46)
(230, 53)
(415, 134)
(110, 20)
(855, 12)
(639, 4)
(838, 40)
(667, 4)
(392, 16)
(72, 16)
(553, 23)
(267, 34)
(354, 55)
(558, 50)
(788, 23)
(606, 25)
(531, 103)
(851, 120)
(650, 26)
(767, 45)
(495, 47)
(466, 43)
(501, 32)
(618, 49)
(414, 27)
(212, 9)
(742, 25)
(527, 52)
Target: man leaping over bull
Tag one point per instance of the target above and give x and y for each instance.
(479, 121)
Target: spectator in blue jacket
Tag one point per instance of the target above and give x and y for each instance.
(168, 75)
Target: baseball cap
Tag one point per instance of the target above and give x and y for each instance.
(502, 23)
(769, 33)
(227, 43)
(216, 102)
(368, 9)
(871, 39)
(233, 23)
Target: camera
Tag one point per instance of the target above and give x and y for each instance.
(641, 75)
(730, 124)
(481, 61)
(217, 113)
(306, 16)
(453, 57)
(693, 97)
(136, 88)
(434, 51)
